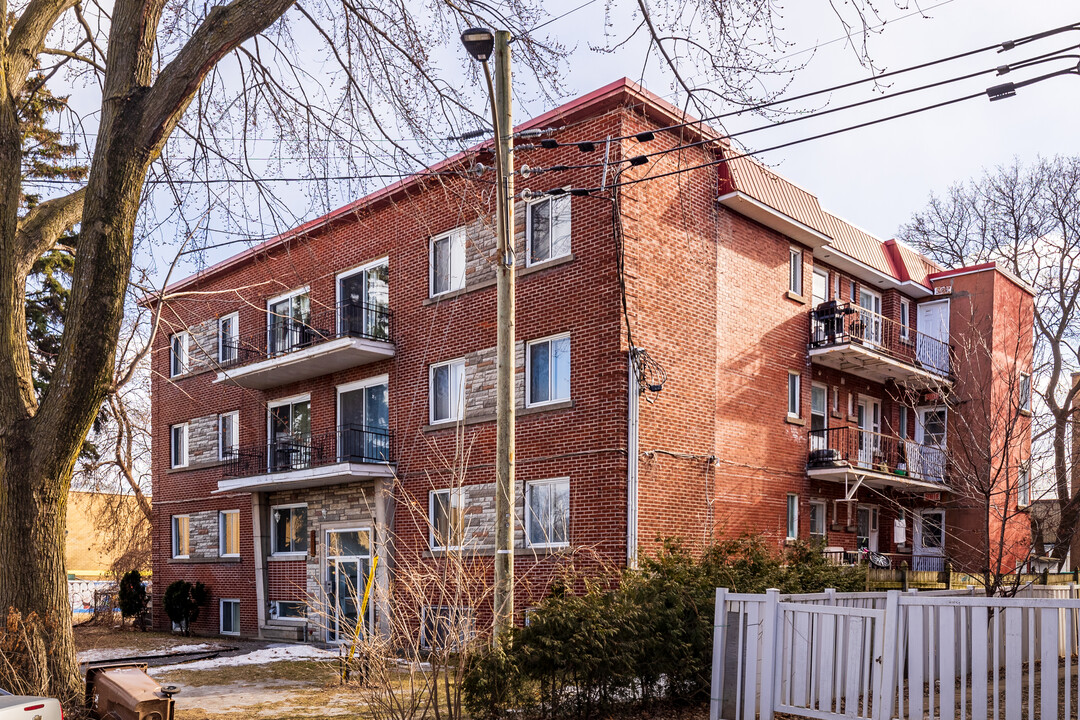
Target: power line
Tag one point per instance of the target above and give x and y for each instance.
(323, 178)
(560, 17)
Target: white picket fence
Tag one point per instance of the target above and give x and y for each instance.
(941, 654)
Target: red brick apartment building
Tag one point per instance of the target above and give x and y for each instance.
(308, 392)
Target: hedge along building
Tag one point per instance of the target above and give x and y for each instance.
(328, 395)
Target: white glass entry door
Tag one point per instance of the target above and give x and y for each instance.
(348, 563)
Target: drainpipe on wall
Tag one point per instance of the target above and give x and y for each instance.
(259, 542)
(632, 395)
(1074, 475)
(384, 514)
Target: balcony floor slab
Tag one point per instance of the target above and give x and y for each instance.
(867, 362)
(321, 359)
(335, 474)
(875, 479)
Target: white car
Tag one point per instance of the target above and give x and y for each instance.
(26, 707)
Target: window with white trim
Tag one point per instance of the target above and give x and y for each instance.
(1023, 485)
(181, 539)
(903, 429)
(1025, 392)
(547, 229)
(795, 271)
(792, 516)
(288, 610)
(445, 628)
(228, 435)
(228, 337)
(447, 391)
(178, 445)
(547, 370)
(794, 394)
(817, 519)
(446, 514)
(447, 262)
(229, 611)
(289, 530)
(229, 533)
(178, 354)
(547, 515)
(905, 319)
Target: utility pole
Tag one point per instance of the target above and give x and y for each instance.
(504, 433)
(479, 43)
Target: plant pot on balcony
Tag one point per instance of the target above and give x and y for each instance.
(825, 457)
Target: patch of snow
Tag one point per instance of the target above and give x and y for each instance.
(96, 655)
(269, 654)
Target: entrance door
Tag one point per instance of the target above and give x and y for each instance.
(819, 417)
(929, 541)
(867, 528)
(869, 430)
(930, 436)
(364, 297)
(870, 315)
(820, 295)
(287, 324)
(363, 422)
(932, 339)
(289, 433)
(348, 562)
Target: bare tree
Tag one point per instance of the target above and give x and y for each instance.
(1027, 219)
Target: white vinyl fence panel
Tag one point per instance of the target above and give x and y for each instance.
(949, 655)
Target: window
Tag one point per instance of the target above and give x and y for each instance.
(447, 262)
(447, 517)
(819, 421)
(547, 230)
(851, 290)
(288, 610)
(364, 301)
(1023, 485)
(364, 421)
(905, 319)
(228, 435)
(178, 454)
(181, 541)
(547, 522)
(230, 617)
(228, 337)
(933, 529)
(229, 533)
(817, 519)
(903, 429)
(1025, 392)
(794, 393)
(289, 433)
(287, 322)
(288, 530)
(178, 354)
(445, 628)
(795, 271)
(836, 400)
(792, 517)
(447, 391)
(548, 370)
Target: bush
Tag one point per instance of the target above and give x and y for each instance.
(182, 601)
(132, 596)
(648, 639)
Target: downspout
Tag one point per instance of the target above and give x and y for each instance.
(632, 395)
(259, 543)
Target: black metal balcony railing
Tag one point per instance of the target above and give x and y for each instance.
(924, 561)
(285, 334)
(832, 323)
(351, 443)
(852, 447)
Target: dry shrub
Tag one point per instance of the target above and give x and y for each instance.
(23, 670)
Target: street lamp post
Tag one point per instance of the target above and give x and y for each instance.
(480, 42)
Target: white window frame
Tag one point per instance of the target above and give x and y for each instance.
(223, 534)
(457, 409)
(528, 370)
(529, 231)
(1025, 392)
(172, 444)
(274, 552)
(276, 615)
(791, 515)
(795, 270)
(456, 238)
(175, 532)
(221, 616)
(822, 509)
(455, 493)
(902, 421)
(305, 290)
(384, 260)
(795, 377)
(235, 415)
(184, 360)
(528, 515)
(905, 319)
(1023, 484)
(235, 317)
(383, 379)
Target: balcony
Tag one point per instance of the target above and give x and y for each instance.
(289, 349)
(919, 562)
(853, 456)
(854, 340)
(348, 454)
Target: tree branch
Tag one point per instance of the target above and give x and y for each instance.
(74, 56)
(44, 225)
(27, 39)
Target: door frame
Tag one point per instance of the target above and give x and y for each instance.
(877, 336)
(917, 547)
(822, 442)
(344, 274)
(305, 290)
(281, 402)
(383, 379)
(869, 402)
(873, 528)
(325, 574)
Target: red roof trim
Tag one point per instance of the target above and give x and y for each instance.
(962, 271)
(892, 254)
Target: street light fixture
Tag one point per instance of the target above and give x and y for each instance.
(479, 42)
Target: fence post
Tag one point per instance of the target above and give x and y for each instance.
(948, 576)
(1045, 576)
(719, 653)
(830, 596)
(770, 657)
(903, 577)
(885, 693)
